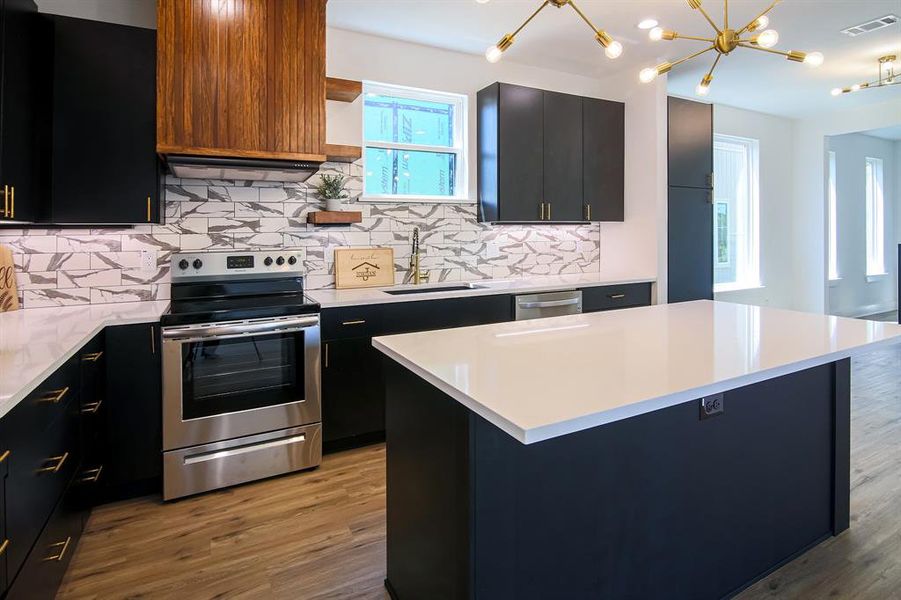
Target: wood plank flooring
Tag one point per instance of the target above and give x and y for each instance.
(321, 534)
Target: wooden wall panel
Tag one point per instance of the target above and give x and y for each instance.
(242, 78)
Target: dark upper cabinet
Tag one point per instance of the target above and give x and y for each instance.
(20, 165)
(104, 166)
(603, 159)
(690, 143)
(563, 157)
(544, 157)
(511, 152)
(690, 245)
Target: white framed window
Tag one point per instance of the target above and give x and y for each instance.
(875, 218)
(736, 213)
(414, 145)
(833, 219)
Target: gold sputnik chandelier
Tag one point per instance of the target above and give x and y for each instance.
(725, 41)
(887, 76)
(612, 48)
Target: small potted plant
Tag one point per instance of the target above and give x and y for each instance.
(331, 188)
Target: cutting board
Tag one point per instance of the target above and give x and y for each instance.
(9, 295)
(364, 267)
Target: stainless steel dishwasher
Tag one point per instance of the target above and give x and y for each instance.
(550, 304)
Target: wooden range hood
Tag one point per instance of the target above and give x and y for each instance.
(241, 88)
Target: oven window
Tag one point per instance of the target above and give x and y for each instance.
(229, 375)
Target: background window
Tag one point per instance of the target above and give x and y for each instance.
(736, 250)
(875, 218)
(414, 144)
(833, 220)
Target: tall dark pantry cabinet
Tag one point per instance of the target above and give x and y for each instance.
(690, 201)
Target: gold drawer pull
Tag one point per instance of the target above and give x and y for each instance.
(63, 546)
(5, 200)
(3, 547)
(91, 408)
(91, 475)
(60, 460)
(55, 396)
(92, 357)
(356, 322)
(148, 209)
(616, 296)
(4, 456)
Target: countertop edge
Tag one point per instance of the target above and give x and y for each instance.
(8, 404)
(584, 422)
(489, 290)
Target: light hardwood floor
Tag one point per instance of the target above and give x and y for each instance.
(321, 534)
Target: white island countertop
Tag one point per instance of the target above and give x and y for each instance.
(35, 342)
(546, 378)
(332, 298)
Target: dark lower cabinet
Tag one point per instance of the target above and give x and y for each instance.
(20, 164)
(353, 401)
(596, 299)
(4, 539)
(103, 117)
(134, 422)
(690, 244)
(94, 407)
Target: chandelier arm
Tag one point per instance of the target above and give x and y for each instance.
(762, 49)
(709, 20)
(715, 63)
(754, 20)
(691, 56)
(532, 16)
(725, 14)
(584, 18)
(679, 36)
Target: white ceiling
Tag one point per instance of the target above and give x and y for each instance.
(558, 39)
(887, 133)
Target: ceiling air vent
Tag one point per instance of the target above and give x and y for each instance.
(869, 26)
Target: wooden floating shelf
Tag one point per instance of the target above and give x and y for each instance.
(334, 217)
(342, 90)
(341, 153)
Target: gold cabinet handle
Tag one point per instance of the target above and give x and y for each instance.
(55, 396)
(5, 200)
(3, 457)
(12, 202)
(63, 546)
(60, 460)
(91, 408)
(148, 209)
(587, 212)
(326, 355)
(152, 340)
(616, 296)
(355, 322)
(548, 211)
(3, 547)
(541, 218)
(92, 357)
(91, 475)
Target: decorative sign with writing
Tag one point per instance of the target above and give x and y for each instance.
(364, 267)
(9, 296)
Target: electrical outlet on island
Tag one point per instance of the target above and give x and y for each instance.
(148, 260)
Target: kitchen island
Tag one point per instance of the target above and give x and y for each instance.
(674, 451)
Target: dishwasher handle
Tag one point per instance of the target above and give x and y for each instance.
(549, 303)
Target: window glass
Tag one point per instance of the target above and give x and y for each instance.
(875, 218)
(736, 247)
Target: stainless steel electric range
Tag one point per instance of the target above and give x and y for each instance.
(241, 384)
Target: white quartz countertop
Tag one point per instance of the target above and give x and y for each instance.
(37, 341)
(546, 378)
(332, 298)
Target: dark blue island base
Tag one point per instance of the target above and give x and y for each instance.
(663, 505)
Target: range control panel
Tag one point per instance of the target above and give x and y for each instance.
(219, 264)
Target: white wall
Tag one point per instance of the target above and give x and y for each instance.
(809, 206)
(853, 295)
(776, 169)
(630, 248)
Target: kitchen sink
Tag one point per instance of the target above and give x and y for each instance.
(435, 288)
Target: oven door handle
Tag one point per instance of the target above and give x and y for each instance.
(237, 329)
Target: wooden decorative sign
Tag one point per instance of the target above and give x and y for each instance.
(9, 296)
(364, 267)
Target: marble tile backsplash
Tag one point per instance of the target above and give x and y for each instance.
(91, 266)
